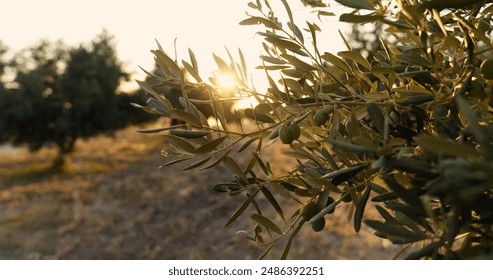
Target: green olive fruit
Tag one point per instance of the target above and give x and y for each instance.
(330, 200)
(486, 69)
(310, 210)
(476, 89)
(328, 109)
(320, 117)
(296, 130)
(360, 187)
(318, 225)
(286, 135)
(346, 197)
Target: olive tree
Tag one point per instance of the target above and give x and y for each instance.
(61, 94)
(409, 128)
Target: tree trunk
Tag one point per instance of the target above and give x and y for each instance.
(63, 150)
(59, 161)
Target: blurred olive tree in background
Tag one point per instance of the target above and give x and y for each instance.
(60, 94)
(407, 127)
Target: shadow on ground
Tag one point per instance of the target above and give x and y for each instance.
(113, 202)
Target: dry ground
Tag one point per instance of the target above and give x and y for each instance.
(112, 202)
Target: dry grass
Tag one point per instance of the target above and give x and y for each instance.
(112, 202)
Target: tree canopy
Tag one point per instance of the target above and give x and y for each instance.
(60, 94)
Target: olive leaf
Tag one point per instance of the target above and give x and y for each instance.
(210, 146)
(336, 61)
(231, 163)
(356, 57)
(445, 147)
(259, 20)
(353, 18)
(189, 133)
(356, 4)
(272, 200)
(180, 143)
(196, 164)
(358, 215)
(242, 207)
(266, 222)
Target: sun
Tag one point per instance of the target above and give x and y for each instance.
(229, 83)
(226, 81)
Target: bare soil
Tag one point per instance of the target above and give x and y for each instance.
(112, 201)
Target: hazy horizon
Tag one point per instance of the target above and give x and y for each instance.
(204, 27)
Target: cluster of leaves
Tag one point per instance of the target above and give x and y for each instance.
(58, 95)
(410, 128)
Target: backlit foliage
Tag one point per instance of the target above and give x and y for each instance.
(410, 128)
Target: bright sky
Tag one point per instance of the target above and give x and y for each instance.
(203, 26)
